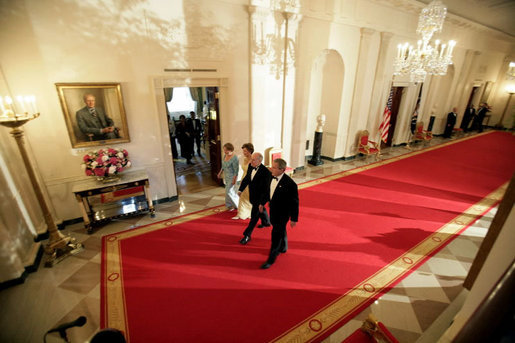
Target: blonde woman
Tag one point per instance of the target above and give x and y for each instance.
(230, 167)
(244, 207)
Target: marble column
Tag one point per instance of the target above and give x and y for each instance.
(381, 89)
(362, 93)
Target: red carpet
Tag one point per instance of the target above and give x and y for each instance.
(189, 280)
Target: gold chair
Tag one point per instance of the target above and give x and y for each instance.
(368, 147)
(274, 153)
(421, 134)
(377, 331)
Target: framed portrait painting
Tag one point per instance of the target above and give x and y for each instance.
(94, 113)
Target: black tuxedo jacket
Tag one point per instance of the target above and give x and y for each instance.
(451, 119)
(259, 186)
(284, 204)
(197, 128)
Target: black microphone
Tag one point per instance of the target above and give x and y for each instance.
(77, 322)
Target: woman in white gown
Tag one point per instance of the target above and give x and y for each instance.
(244, 206)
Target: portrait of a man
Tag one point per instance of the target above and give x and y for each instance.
(93, 121)
(94, 113)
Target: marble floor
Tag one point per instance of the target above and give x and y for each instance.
(418, 309)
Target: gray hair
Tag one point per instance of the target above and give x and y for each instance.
(258, 155)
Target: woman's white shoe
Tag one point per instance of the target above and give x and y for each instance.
(235, 217)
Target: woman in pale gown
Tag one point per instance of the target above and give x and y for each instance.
(230, 169)
(244, 206)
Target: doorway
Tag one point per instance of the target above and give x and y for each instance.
(194, 127)
(396, 103)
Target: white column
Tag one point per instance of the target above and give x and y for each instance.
(362, 90)
(381, 91)
(464, 85)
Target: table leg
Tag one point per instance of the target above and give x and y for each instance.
(149, 200)
(87, 223)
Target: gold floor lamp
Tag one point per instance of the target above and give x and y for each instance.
(58, 246)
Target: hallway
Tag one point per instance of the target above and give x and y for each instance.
(418, 309)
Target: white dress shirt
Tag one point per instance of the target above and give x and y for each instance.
(273, 184)
(253, 173)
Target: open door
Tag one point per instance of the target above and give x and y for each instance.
(396, 102)
(213, 133)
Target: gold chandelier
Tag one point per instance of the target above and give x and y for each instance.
(425, 58)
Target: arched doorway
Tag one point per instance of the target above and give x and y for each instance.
(325, 95)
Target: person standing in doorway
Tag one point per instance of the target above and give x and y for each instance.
(283, 196)
(197, 131)
(451, 121)
(230, 168)
(183, 131)
(171, 130)
(469, 114)
(257, 179)
(480, 116)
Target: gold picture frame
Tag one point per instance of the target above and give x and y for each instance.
(106, 125)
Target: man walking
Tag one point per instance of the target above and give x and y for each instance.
(284, 206)
(257, 179)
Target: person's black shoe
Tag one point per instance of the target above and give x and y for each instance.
(189, 162)
(283, 251)
(260, 226)
(266, 265)
(245, 240)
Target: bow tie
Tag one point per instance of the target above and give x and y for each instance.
(275, 178)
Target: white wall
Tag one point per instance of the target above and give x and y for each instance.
(130, 43)
(56, 41)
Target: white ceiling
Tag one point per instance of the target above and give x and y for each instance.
(496, 14)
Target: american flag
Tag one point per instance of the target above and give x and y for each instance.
(385, 124)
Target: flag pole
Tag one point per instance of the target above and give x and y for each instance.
(387, 107)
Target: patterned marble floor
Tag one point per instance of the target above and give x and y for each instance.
(418, 309)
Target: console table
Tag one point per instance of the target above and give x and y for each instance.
(100, 202)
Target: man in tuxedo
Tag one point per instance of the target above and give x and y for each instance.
(93, 122)
(284, 206)
(184, 132)
(257, 179)
(469, 114)
(480, 116)
(451, 121)
(196, 125)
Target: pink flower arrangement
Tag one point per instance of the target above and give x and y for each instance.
(106, 162)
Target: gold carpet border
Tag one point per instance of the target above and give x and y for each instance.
(383, 162)
(115, 309)
(332, 314)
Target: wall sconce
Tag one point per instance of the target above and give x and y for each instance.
(511, 71)
(510, 88)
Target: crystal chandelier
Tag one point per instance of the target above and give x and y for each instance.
(425, 58)
(275, 49)
(271, 50)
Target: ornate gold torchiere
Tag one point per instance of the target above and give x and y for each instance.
(58, 246)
